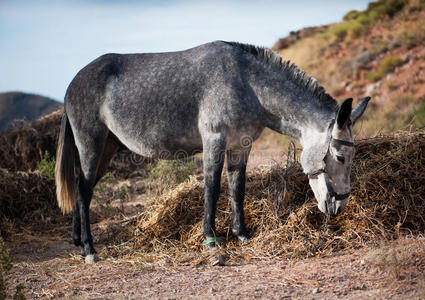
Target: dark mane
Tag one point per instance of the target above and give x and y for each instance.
(292, 71)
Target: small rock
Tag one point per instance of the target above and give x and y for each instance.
(218, 260)
(406, 58)
(349, 87)
(362, 262)
(315, 290)
(395, 44)
(370, 88)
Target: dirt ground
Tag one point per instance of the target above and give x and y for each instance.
(50, 267)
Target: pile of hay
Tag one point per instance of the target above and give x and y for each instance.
(22, 148)
(387, 200)
(25, 198)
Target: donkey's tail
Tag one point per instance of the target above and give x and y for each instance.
(65, 167)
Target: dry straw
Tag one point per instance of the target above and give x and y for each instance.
(22, 148)
(387, 200)
(25, 198)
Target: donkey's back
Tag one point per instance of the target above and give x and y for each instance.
(156, 102)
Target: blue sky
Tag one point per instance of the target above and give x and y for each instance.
(43, 44)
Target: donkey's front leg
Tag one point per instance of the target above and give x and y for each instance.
(236, 161)
(213, 155)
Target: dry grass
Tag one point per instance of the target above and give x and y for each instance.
(25, 198)
(22, 148)
(388, 200)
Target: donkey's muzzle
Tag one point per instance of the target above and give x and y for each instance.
(334, 206)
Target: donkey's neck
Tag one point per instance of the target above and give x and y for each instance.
(291, 110)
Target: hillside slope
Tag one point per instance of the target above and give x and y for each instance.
(17, 106)
(379, 52)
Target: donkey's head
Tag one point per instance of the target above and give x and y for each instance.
(327, 160)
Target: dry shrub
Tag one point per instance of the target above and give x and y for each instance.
(389, 63)
(388, 199)
(22, 148)
(25, 198)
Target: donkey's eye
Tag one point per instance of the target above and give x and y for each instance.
(341, 159)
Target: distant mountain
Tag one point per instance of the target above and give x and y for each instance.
(17, 107)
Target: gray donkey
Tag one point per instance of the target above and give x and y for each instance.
(215, 98)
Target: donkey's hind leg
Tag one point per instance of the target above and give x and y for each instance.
(91, 144)
(236, 161)
(111, 146)
(76, 225)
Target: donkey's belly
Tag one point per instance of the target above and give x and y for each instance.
(157, 147)
(155, 139)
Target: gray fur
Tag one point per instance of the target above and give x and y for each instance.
(216, 98)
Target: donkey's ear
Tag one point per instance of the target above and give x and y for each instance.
(344, 112)
(359, 110)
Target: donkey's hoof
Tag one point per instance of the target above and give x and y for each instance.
(244, 237)
(91, 259)
(212, 243)
(212, 247)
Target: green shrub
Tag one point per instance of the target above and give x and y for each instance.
(354, 22)
(389, 63)
(373, 16)
(356, 28)
(351, 15)
(171, 172)
(383, 8)
(372, 76)
(364, 19)
(420, 115)
(103, 183)
(391, 7)
(47, 166)
(123, 193)
(341, 30)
